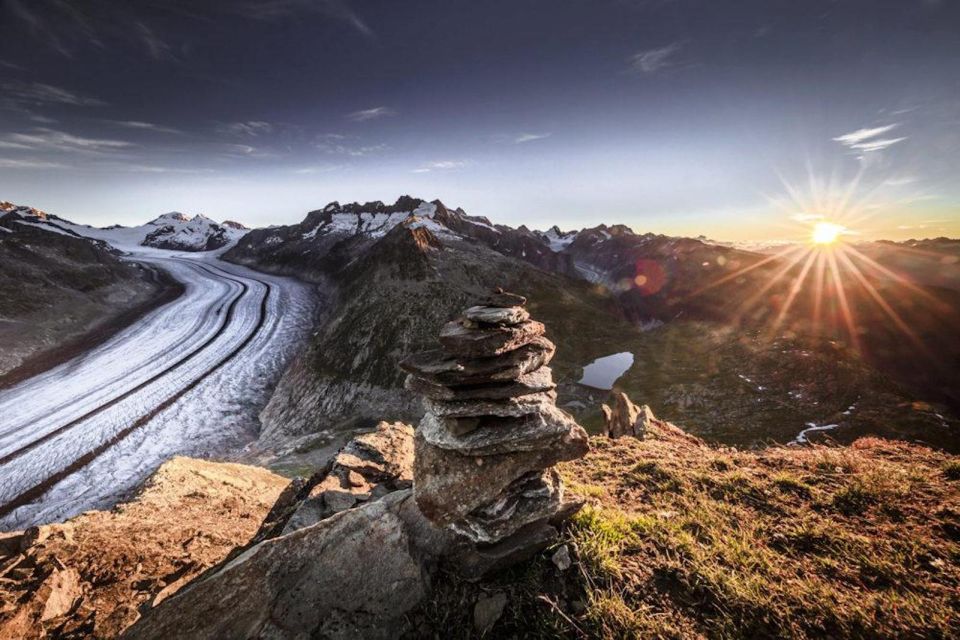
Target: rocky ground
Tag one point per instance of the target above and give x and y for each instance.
(679, 539)
(90, 576)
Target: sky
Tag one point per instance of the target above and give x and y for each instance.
(734, 120)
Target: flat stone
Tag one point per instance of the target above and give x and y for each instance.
(450, 485)
(488, 610)
(497, 315)
(474, 562)
(506, 408)
(501, 298)
(533, 382)
(549, 428)
(441, 368)
(533, 497)
(464, 342)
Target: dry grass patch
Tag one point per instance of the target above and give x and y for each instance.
(682, 540)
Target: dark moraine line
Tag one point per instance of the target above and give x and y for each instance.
(13, 455)
(37, 491)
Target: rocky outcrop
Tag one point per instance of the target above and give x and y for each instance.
(491, 433)
(90, 576)
(627, 419)
(624, 418)
(368, 467)
(353, 575)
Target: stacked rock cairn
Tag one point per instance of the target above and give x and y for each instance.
(485, 449)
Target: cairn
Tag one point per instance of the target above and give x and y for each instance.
(485, 449)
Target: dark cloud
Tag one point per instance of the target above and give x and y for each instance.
(149, 25)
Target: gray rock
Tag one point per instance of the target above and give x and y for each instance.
(449, 485)
(441, 368)
(497, 315)
(533, 382)
(531, 498)
(561, 558)
(488, 610)
(369, 466)
(550, 428)
(475, 561)
(504, 408)
(354, 575)
(465, 342)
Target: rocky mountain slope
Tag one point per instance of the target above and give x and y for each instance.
(400, 272)
(680, 308)
(62, 289)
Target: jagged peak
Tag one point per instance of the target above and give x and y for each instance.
(22, 210)
(404, 203)
(167, 218)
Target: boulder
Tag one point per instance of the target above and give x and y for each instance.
(621, 418)
(353, 575)
(368, 467)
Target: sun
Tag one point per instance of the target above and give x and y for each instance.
(826, 233)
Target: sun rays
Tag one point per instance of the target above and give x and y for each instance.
(823, 284)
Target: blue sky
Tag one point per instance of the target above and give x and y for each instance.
(732, 120)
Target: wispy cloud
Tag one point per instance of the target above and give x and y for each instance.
(64, 27)
(653, 60)
(53, 140)
(442, 165)
(246, 151)
(153, 44)
(370, 114)
(877, 145)
(38, 93)
(145, 126)
(13, 163)
(858, 136)
(250, 128)
(899, 181)
(320, 168)
(867, 140)
(336, 144)
(530, 137)
(152, 168)
(804, 217)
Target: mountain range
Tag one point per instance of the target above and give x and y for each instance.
(718, 339)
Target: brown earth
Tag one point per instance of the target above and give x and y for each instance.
(90, 576)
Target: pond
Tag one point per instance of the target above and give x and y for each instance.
(603, 372)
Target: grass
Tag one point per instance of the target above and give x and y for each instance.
(682, 540)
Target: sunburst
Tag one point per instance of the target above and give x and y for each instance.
(824, 268)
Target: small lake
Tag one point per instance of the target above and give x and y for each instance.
(603, 372)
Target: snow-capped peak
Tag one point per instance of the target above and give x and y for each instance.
(167, 218)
